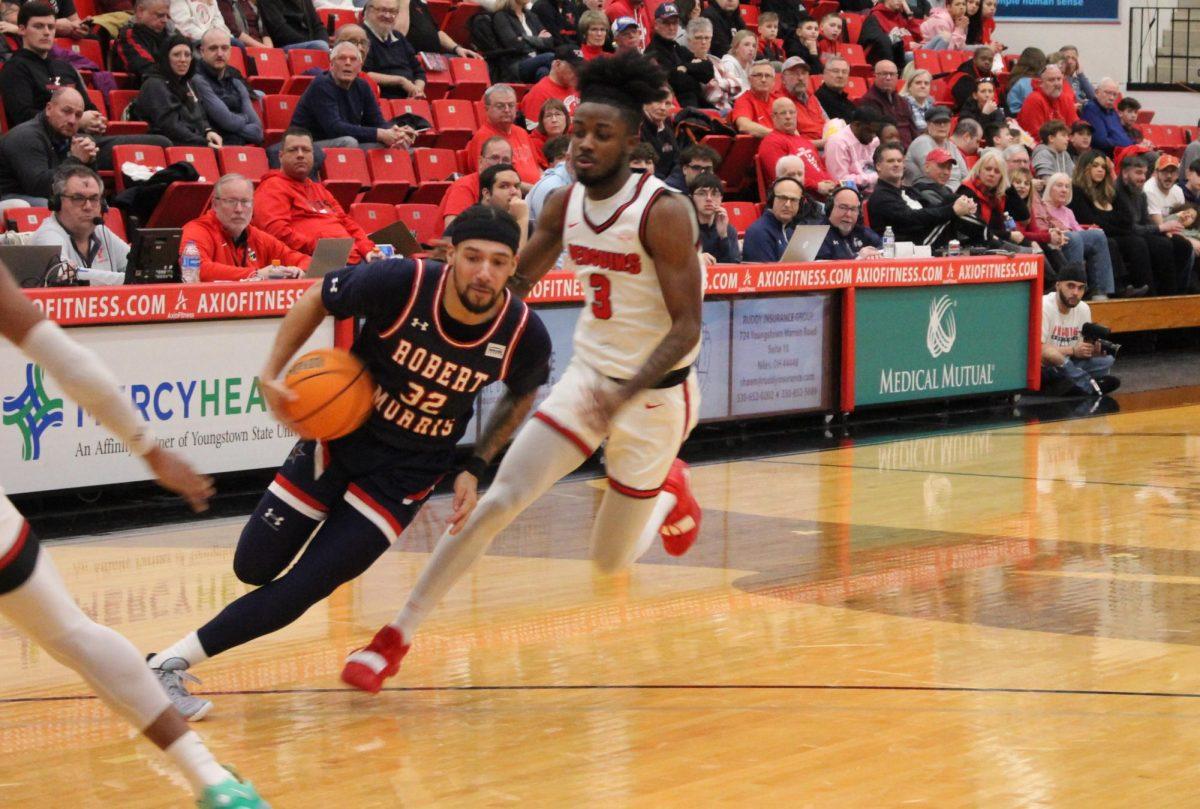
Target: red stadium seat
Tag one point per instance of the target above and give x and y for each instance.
(825, 7)
(203, 158)
(248, 161)
(750, 16)
(302, 59)
(852, 53)
(116, 223)
(737, 167)
(455, 122)
(373, 215)
(149, 156)
(270, 69)
(119, 101)
(296, 85)
(87, 48)
(237, 59)
(392, 176)
(852, 25)
(344, 173)
(24, 220)
(433, 169)
(277, 116)
(742, 214)
(335, 18)
(857, 87)
(180, 204)
(718, 143)
(926, 59)
(438, 9)
(457, 21)
(437, 82)
(470, 77)
(423, 220)
(952, 60)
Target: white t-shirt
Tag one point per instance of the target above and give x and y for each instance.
(1162, 202)
(1059, 330)
(108, 261)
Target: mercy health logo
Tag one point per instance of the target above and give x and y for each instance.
(32, 412)
(939, 336)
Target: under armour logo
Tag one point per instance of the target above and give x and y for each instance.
(272, 519)
(417, 323)
(333, 282)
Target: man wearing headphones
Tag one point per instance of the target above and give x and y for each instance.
(847, 239)
(76, 226)
(768, 236)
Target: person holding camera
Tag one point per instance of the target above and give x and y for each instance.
(1076, 359)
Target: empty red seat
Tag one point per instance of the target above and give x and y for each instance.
(335, 18)
(373, 215)
(344, 173)
(470, 78)
(422, 220)
(414, 106)
(26, 219)
(391, 175)
(455, 122)
(433, 169)
(742, 214)
(277, 112)
(152, 157)
(269, 67)
(248, 161)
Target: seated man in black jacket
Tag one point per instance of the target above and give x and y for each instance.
(931, 188)
(293, 24)
(718, 238)
(726, 17)
(686, 74)
(848, 237)
(138, 42)
(391, 60)
(1171, 254)
(31, 152)
(903, 210)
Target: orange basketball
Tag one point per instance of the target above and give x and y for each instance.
(333, 393)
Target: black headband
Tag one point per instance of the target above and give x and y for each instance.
(493, 229)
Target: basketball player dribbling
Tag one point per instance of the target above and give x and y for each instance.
(630, 383)
(35, 600)
(432, 337)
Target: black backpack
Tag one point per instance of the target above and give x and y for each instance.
(692, 125)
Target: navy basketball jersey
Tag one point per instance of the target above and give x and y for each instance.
(428, 368)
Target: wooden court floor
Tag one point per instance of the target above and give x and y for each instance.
(995, 618)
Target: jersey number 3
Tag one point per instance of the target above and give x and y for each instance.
(601, 297)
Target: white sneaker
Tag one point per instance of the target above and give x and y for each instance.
(171, 674)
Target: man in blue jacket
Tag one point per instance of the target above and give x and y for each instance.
(768, 236)
(1108, 133)
(848, 238)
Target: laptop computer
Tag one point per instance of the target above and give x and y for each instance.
(329, 255)
(805, 242)
(154, 257)
(28, 262)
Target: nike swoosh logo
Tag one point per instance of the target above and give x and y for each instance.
(652, 406)
(571, 225)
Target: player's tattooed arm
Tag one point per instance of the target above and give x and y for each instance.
(544, 246)
(510, 412)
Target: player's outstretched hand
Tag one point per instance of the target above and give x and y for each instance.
(177, 475)
(276, 393)
(465, 498)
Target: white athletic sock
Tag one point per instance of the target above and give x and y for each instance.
(538, 458)
(196, 761)
(662, 507)
(187, 647)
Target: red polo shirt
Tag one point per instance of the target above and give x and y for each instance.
(749, 105)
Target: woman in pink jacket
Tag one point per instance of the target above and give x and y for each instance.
(946, 28)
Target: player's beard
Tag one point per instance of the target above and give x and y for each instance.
(464, 297)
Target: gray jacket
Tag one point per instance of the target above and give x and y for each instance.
(29, 155)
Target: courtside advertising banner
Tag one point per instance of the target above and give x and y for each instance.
(935, 342)
(196, 384)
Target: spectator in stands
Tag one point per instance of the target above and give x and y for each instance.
(557, 176)
(167, 101)
(628, 36)
(886, 30)
(718, 239)
(1039, 229)
(1073, 245)
(785, 140)
(558, 84)
(917, 92)
(32, 152)
(779, 24)
(1190, 154)
(1047, 103)
(937, 136)
(244, 22)
(98, 255)
(997, 136)
(1080, 139)
(552, 121)
(521, 32)
(300, 212)
(1108, 133)
(832, 92)
(500, 187)
(687, 75)
(558, 15)
(500, 107)
(293, 25)
(966, 138)
(982, 106)
(968, 75)
(751, 113)
(946, 28)
(1030, 65)
(768, 236)
(67, 23)
(726, 19)
(882, 96)
(1080, 86)
(693, 161)
(356, 35)
(1051, 156)
(657, 132)
(139, 41)
(391, 60)
(464, 192)
(806, 44)
(810, 118)
(848, 238)
(1191, 185)
(1128, 109)
(192, 18)
(340, 110)
(720, 92)
(642, 158)
(1129, 281)
(982, 25)
(932, 186)
(417, 25)
(831, 36)
(232, 249)
(903, 209)
(1174, 261)
(743, 51)
(1164, 195)
(1070, 365)
(642, 15)
(224, 94)
(987, 186)
(593, 35)
(850, 153)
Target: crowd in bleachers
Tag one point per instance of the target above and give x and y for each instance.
(867, 117)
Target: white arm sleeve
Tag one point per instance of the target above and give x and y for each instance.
(89, 382)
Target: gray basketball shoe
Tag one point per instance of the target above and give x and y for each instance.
(172, 674)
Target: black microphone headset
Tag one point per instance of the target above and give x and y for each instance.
(54, 203)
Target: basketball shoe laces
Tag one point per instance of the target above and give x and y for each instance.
(173, 681)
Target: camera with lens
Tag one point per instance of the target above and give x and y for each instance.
(1095, 333)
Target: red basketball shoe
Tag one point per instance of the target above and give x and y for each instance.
(368, 667)
(681, 527)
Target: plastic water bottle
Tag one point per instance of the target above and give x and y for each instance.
(889, 242)
(1010, 224)
(189, 263)
(954, 248)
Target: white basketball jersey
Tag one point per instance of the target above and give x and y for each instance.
(625, 317)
